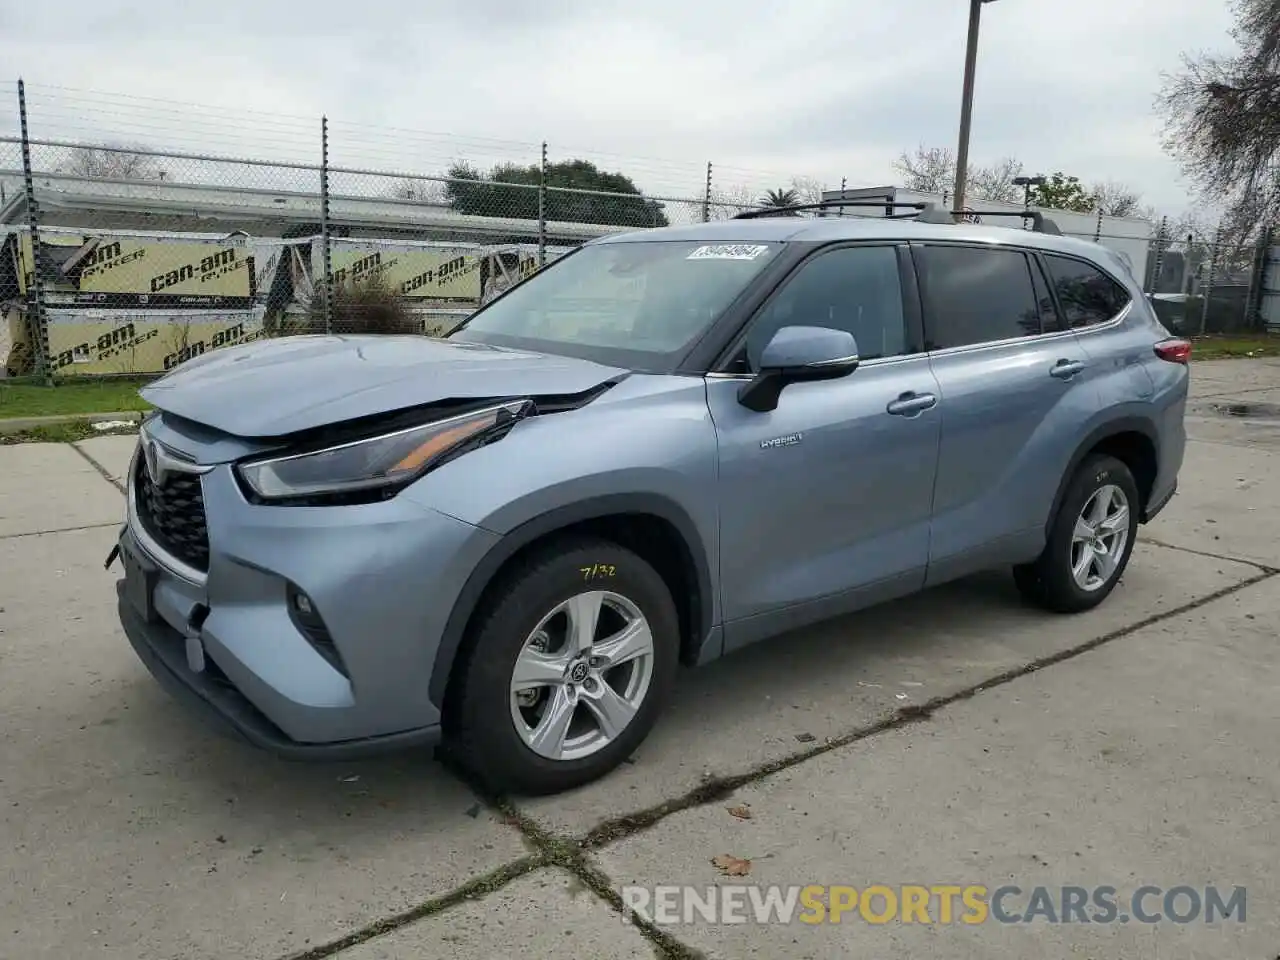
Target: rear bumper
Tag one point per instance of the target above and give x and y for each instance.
(162, 650)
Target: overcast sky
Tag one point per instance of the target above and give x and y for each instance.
(653, 88)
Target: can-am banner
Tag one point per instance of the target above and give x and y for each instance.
(123, 271)
(133, 342)
(145, 302)
(415, 271)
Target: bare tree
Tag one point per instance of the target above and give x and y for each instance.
(422, 191)
(728, 202)
(928, 170)
(1223, 118)
(1191, 225)
(1116, 199)
(996, 181)
(112, 162)
(933, 170)
(808, 189)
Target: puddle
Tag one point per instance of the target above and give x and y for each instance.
(1248, 411)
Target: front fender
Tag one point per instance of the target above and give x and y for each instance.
(648, 446)
(545, 524)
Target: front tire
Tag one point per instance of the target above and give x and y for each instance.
(1090, 540)
(571, 660)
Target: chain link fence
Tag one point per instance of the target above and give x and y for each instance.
(1203, 285)
(126, 260)
(123, 259)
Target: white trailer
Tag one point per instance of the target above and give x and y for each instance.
(1131, 237)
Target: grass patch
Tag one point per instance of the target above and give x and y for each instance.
(70, 397)
(1235, 346)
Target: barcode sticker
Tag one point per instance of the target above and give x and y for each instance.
(729, 251)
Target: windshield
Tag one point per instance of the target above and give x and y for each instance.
(639, 305)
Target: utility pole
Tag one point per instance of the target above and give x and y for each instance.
(966, 100)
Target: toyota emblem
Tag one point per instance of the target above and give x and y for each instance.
(151, 454)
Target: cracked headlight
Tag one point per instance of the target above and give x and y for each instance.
(385, 462)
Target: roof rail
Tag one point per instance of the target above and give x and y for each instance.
(932, 213)
(921, 212)
(825, 205)
(1039, 222)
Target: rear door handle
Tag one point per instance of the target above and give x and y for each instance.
(1066, 369)
(912, 404)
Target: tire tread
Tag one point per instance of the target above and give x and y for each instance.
(1047, 581)
(474, 738)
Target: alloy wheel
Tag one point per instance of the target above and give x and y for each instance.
(1099, 538)
(582, 675)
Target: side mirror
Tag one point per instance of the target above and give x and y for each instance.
(797, 355)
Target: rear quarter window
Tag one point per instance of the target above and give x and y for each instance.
(1087, 296)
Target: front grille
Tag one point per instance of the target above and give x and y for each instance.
(172, 511)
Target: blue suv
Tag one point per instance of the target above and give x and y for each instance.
(667, 445)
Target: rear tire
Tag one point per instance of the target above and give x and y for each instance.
(594, 633)
(1090, 540)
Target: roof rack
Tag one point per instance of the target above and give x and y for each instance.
(932, 213)
(824, 205)
(1039, 222)
(921, 212)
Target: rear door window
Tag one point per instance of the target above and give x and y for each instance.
(977, 295)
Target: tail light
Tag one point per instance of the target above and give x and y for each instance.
(1174, 351)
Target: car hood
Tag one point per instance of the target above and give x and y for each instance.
(272, 388)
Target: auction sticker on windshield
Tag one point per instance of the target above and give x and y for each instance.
(728, 251)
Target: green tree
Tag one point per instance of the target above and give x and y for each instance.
(1061, 192)
(1222, 117)
(577, 192)
(787, 197)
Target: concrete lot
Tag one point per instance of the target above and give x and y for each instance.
(1132, 745)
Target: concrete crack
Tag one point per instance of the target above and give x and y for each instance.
(99, 467)
(42, 533)
(718, 789)
(1256, 564)
(573, 855)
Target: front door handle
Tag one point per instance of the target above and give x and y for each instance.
(1066, 369)
(912, 404)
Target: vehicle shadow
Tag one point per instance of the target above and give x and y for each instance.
(768, 701)
(785, 696)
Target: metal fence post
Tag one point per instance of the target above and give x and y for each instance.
(1257, 281)
(37, 325)
(706, 197)
(1206, 291)
(542, 208)
(1185, 288)
(326, 289)
(1158, 266)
